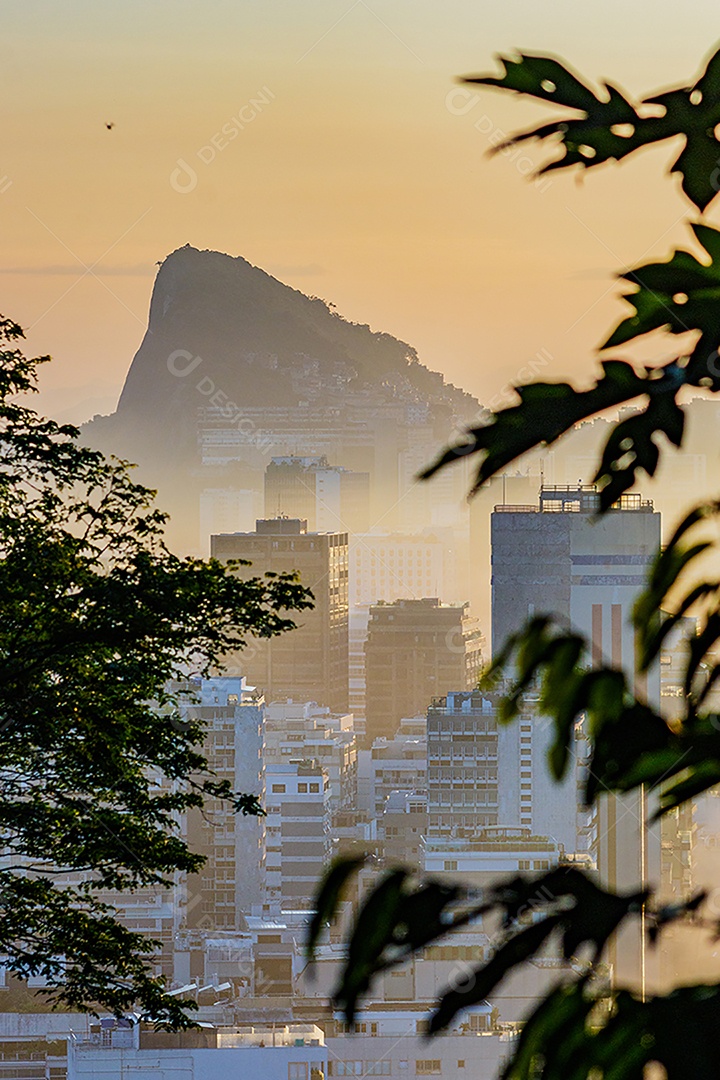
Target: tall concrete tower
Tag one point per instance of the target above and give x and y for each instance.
(559, 557)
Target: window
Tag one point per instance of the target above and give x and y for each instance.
(297, 1070)
(378, 1068)
(427, 1067)
(461, 1063)
(315, 788)
(347, 1068)
(450, 864)
(302, 788)
(278, 789)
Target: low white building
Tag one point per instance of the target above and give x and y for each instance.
(285, 1052)
(479, 860)
(384, 1043)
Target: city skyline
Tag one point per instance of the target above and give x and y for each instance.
(343, 698)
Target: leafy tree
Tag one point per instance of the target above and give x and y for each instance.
(582, 1029)
(100, 625)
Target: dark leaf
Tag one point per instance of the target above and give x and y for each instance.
(677, 296)
(546, 411)
(327, 899)
(610, 127)
(424, 914)
(373, 932)
(518, 949)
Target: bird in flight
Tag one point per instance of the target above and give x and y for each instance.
(110, 126)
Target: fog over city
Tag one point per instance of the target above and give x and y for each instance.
(353, 696)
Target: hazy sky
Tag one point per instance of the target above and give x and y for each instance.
(354, 176)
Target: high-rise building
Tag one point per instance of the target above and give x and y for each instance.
(560, 557)
(462, 758)
(297, 832)
(358, 620)
(482, 774)
(329, 497)
(231, 881)
(309, 663)
(416, 650)
(307, 731)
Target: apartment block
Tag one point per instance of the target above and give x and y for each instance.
(306, 731)
(462, 764)
(309, 663)
(403, 826)
(396, 765)
(416, 650)
(331, 498)
(231, 881)
(297, 829)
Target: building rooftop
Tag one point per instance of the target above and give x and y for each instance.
(578, 499)
(280, 526)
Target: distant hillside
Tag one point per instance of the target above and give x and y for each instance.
(258, 342)
(228, 351)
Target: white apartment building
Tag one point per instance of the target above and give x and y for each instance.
(398, 764)
(297, 831)
(231, 881)
(310, 732)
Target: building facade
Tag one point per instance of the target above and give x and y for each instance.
(559, 557)
(309, 663)
(231, 881)
(309, 732)
(297, 829)
(416, 650)
(330, 497)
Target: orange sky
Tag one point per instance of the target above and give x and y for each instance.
(352, 179)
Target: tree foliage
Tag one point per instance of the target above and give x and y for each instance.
(585, 1029)
(101, 625)
(679, 296)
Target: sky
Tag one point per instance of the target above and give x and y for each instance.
(352, 166)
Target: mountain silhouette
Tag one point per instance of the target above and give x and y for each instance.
(225, 335)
